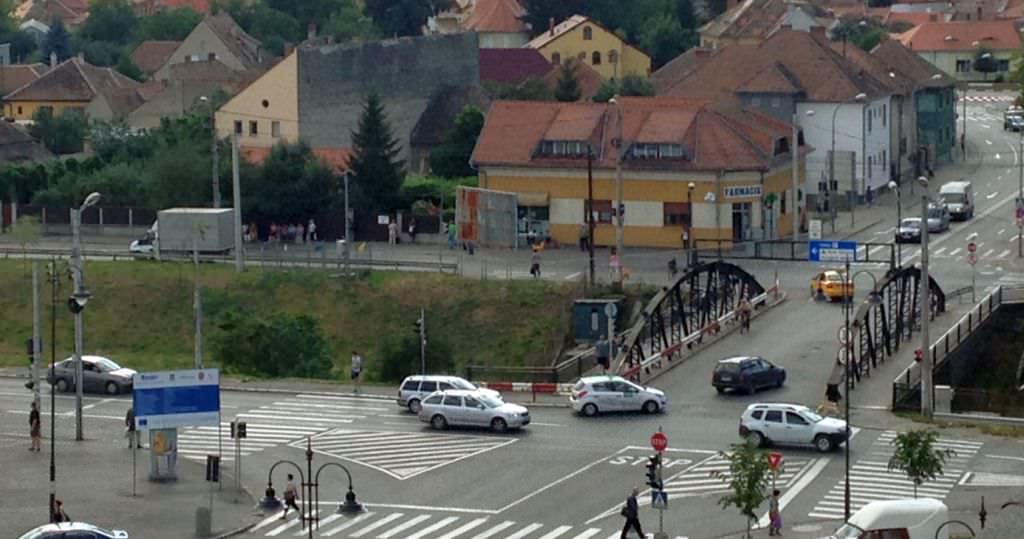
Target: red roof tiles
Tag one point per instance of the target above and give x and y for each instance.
(512, 66)
(496, 16)
(961, 35)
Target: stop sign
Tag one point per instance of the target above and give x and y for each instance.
(659, 441)
(972, 247)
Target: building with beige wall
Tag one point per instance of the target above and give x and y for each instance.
(604, 51)
(267, 111)
(217, 37)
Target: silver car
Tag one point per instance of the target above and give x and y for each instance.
(472, 408)
(609, 393)
(938, 217)
(415, 388)
(100, 374)
(71, 530)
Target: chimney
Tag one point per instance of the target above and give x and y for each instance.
(53, 59)
(551, 26)
(311, 31)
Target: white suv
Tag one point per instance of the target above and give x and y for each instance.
(610, 393)
(416, 388)
(777, 423)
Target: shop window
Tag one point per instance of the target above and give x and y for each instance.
(602, 211)
(677, 214)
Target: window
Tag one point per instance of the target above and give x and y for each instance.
(781, 146)
(556, 59)
(794, 419)
(885, 157)
(963, 66)
(676, 214)
(253, 128)
(776, 102)
(436, 399)
(883, 115)
(238, 127)
(588, 33)
(773, 416)
(602, 211)
(1002, 65)
(755, 101)
(595, 58)
(410, 385)
(869, 121)
(470, 402)
(275, 128)
(758, 414)
(445, 386)
(647, 150)
(871, 165)
(428, 387)
(602, 387)
(569, 148)
(613, 57)
(452, 400)
(19, 109)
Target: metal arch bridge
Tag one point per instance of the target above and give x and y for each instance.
(694, 306)
(879, 329)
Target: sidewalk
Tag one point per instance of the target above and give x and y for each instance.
(822, 529)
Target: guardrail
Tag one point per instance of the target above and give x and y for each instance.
(562, 372)
(906, 385)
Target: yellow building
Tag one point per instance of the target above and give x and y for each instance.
(580, 37)
(267, 111)
(714, 172)
(100, 93)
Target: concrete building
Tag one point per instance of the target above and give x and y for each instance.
(603, 50)
(954, 46)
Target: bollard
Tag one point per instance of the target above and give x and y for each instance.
(204, 522)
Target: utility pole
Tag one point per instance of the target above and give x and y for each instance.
(794, 204)
(423, 341)
(76, 275)
(37, 323)
(214, 151)
(348, 228)
(590, 211)
(619, 208)
(197, 302)
(1020, 200)
(926, 356)
(236, 195)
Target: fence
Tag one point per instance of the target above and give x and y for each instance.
(565, 371)
(786, 250)
(967, 400)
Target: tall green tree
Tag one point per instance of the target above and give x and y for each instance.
(61, 134)
(376, 167)
(349, 23)
(167, 25)
(292, 185)
(716, 7)
(451, 159)
(567, 88)
(112, 21)
(58, 42)
(399, 17)
(126, 67)
(632, 85)
(915, 454)
(687, 15)
(748, 478)
(663, 38)
(540, 12)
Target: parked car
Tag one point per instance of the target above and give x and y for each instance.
(959, 198)
(609, 393)
(416, 388)
(921, 518)
(938, 217)
(747, 374)
(909, 230)
(100, 374)
(1013, 123)
(72, 530)
(831, 285)
(472, 408)
(791, 424)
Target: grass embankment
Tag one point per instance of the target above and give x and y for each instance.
(141, 313)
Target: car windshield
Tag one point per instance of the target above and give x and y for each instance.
(834, 276)
(459, 383)
(934, 213)
(106, 365)
(812, 417)
(953, 198)
(847, 531)
(488, 400)
(728, 366)
(913, 222)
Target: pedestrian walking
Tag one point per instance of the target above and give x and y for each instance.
(832, 394)
(603, 349)
(584, 237)
(301, 233)
(35, 428)
(58, 512)
(632, 513)
(392, 233)
(311, 229)
(535, 263)
(744, 310)
(614, 264)
(291, 495)
(412, 230)
(869, 196)
(774, 514)
(134, 438)
(357, 370)
(453, 232)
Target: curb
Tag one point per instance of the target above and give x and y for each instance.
(863, 228)
(282, 390)
(244, 528)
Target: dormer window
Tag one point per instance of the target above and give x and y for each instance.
(648, 150)
(563, 148)
(781, 146)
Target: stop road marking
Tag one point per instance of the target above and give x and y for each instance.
(628, 460)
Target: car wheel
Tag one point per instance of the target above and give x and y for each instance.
(590, 409)
(439, 422)
(499, 425)
(112, 388)
(650, 407)
(779, 381)
(62, 385)
(756, 438)
(823, 443)
(414, 406)
(720, 389)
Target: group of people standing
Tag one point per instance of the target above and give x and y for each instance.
(289, 233)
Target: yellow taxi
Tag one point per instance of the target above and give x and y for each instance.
(830, 284)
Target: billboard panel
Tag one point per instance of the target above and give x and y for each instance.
(170, 399)
(486, 217)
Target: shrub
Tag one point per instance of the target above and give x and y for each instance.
(280, 346)
(400, 357)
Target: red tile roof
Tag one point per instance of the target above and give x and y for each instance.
(73, 80)
(199, 6)
(961, 35)
(587, 78)
(336, 158)
(496, 16)
(915, 17)
(150, 56)
(15, 76)
(512, 66)
(716, 137)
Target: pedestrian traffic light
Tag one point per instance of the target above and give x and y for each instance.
(213, 468)
(654, 472)
(240, 429)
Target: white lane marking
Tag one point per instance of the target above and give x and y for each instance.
(1001, 231)
(348, 524)
(939, 251)
(463, 529)
(524, 532)
(1004, 457)
(546, 424)
(988, 252)
(402, 527)
(553, 534)
(266, 522)
(992, 195)
(558, 481)
(104, 401)
(587, 534)
(955, 251)
(989, 142)
(572, 276)
(495, 530)
(998, 156)
(801, 484)
(378, 524)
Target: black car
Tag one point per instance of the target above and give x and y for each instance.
(747, 374)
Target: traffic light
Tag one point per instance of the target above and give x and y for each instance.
(213, 468)
(240, 429)
(30, 349)
(418, 327)
(654, 472)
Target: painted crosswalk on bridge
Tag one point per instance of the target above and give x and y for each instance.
(405, 524)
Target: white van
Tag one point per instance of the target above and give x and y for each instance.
(898, 519)
(959, 199)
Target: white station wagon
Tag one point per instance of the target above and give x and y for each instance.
(472, 408)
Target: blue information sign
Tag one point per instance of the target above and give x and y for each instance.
(170, 399)
(831, 251)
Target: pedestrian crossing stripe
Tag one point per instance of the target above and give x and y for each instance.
(871, 480)
(402, 454)
(382, 525)
(701, 480)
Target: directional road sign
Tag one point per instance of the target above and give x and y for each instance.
(831, 251)
(611, 310)
(659, 441)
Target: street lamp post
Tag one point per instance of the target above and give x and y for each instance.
(794, 148)
(54, 284)
(214, 152)
(689, 224)
(77, 303)
(620, 151)
(926, 360)
(899, 219)
(1020, 198)
(590, 212)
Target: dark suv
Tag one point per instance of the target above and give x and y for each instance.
(746, 373)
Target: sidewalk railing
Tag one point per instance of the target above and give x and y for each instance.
(786, 250)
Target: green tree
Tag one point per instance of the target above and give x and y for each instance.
(568, 86)
(686, 15)
(631, 85)
(306, 11)
(109, 20)
(915, 455)
(985, 61)
(58, 42)
(540, 12)
(349, 23)
(22, 45)
(400, 355)
(664, 39)
(376, 167)
(101, 53)
(716, 7)
(748, 478)
(60, 134)
(399, 17)
(126, 67)
(277, 346)
(172, 181)
(291, 185)
(167, 25)
(451, 159)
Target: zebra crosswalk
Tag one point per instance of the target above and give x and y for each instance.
(402, 454)
(387, 525)
(712, 477)
(871, 480)
(279, 423)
